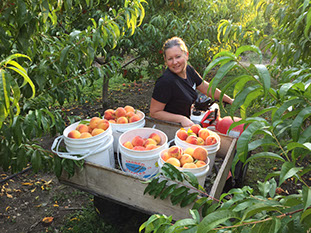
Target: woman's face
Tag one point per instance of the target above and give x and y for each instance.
(176, 60)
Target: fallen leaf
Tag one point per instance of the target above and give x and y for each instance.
(55, 205)
(47, 220)
(6, 209)
(33, 190)
(27, 184)
(9, 195)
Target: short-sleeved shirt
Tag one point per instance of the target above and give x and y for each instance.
(177, 93)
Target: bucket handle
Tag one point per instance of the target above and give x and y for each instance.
(73, 156)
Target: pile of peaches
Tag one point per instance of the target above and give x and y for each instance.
(189, 158)
(197, 135)
(122, 115)
(94, 127)
(141, 144)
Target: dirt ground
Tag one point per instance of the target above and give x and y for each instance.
(39, 203)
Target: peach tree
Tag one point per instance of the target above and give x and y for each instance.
(49, 50)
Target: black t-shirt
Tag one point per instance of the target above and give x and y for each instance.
(177, 93)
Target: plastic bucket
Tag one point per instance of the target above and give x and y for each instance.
(200, 173)
(118, 129)
(104, 155)
(97, 149)
(143, 164)
(74, 145)
(211, 149)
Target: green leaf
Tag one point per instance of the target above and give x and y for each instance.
(306, 214)
(266, 155)
(168, 191)
(294, 145)
(221, 72)
(214, 63)
(240, 98)
(258, 208)
(297, 123)
(288, 170)
(306, 196)
(189, 199)
(216, 218)
(306, 30)
(249, 48)
(192, 179)
(245, 137)
(264, 77)
(278, 113)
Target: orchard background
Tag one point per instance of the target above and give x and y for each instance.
(58, 54)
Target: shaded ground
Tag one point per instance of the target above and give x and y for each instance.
(26, 199)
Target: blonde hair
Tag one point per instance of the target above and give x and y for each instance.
(174, 41)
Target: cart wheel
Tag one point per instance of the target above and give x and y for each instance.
(117, 214)
(240, 174)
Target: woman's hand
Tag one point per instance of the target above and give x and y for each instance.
(186, 122)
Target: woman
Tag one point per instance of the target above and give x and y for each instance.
(175, 90)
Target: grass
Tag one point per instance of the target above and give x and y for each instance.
(87, 220)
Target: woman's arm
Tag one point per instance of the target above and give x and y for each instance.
(157, 111)
(203, 87)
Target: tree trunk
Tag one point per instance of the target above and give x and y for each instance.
(105, 92)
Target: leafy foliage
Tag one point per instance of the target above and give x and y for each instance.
(238, 210)
(68, 45)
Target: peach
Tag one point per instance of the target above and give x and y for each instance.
(165, 156)
(109, 114)
(175, 151)
(82, 128)
(129, 108)
(129, 114)
(134, 118)
(195, 128)
(203, 133)
(150, 141)
(103, 124)
(151, 147)
(155, 137)
(200, 163)
(192, 139)
(120, 112)
(74, 134)
(189, 151)
(128, 145)
(173, 161)
(200, 141)
(85, 135)
(97, 131)
(93, 122)
(112, 121)
(211, 140)
(200, 153)
(122, 120)
(189, 165)
(139, 148)
(138, 141)
(185, 158)
(182, 134)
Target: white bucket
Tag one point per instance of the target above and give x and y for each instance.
(199, 173)
(211, 149)
(97, 149)
(104, 155)
(144, 164)
(76, 145)
(118, 129)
